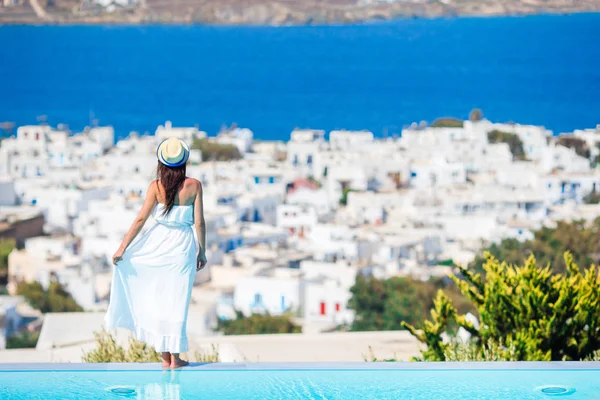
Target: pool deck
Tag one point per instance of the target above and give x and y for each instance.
(68, 342)
(557, 365)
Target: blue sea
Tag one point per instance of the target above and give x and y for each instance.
(381, 76)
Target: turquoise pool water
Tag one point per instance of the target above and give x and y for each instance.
(427, 383)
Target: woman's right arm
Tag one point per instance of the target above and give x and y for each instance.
(138, 223)
(200, 227)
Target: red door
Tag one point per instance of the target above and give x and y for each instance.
(323, 308)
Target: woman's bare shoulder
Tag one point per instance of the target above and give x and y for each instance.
(193, 182)
(155, 184)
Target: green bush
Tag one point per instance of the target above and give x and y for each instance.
(108, 351)
(381, 305)
(592, 198)
(33, 292)
(370, 357)
(527, 313)
(512, 139)
(549, 245)
(313, 180)
(596, 160)
(447, 122)
(23, 340)
(6, 246)
(55, 299)
(489, 351)
(258, 324)
(212, 151)
(579, 145)
(344, 198)
(208, 357)
(461, 352)
(457, 351)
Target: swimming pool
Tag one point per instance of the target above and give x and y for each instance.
(348, 381)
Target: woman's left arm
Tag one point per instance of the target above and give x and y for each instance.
(139, 222)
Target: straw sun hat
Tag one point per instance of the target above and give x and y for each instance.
(173, 152)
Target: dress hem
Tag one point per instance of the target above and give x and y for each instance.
(160, 343)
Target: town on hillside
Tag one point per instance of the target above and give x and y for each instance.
(276, 13)
(290, 225)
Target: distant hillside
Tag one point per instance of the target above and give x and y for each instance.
(274, 12)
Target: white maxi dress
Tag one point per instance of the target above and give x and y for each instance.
(152, 284)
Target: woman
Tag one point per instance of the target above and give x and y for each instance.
(153, 277)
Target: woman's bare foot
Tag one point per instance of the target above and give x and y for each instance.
(177, 362)
(166, 359)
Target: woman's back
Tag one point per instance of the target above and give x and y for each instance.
(178, 216)
(185, 196)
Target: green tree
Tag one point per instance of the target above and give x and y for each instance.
(592, 198)
(369, 296)
(6, 246)
(447, 122)
(313, 180)
(579, 145)
(512, 139)
(258, 324)
(55, 299)
(384, 304)
(549, 245)
(475, 115)
(33, 292)
(59, 300)
(23, 340)
(212, 151)
(596, 160)
(344, 198)
(526, 312)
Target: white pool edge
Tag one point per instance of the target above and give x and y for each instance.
(520, 365)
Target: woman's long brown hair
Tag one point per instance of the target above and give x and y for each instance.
(172, 179)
